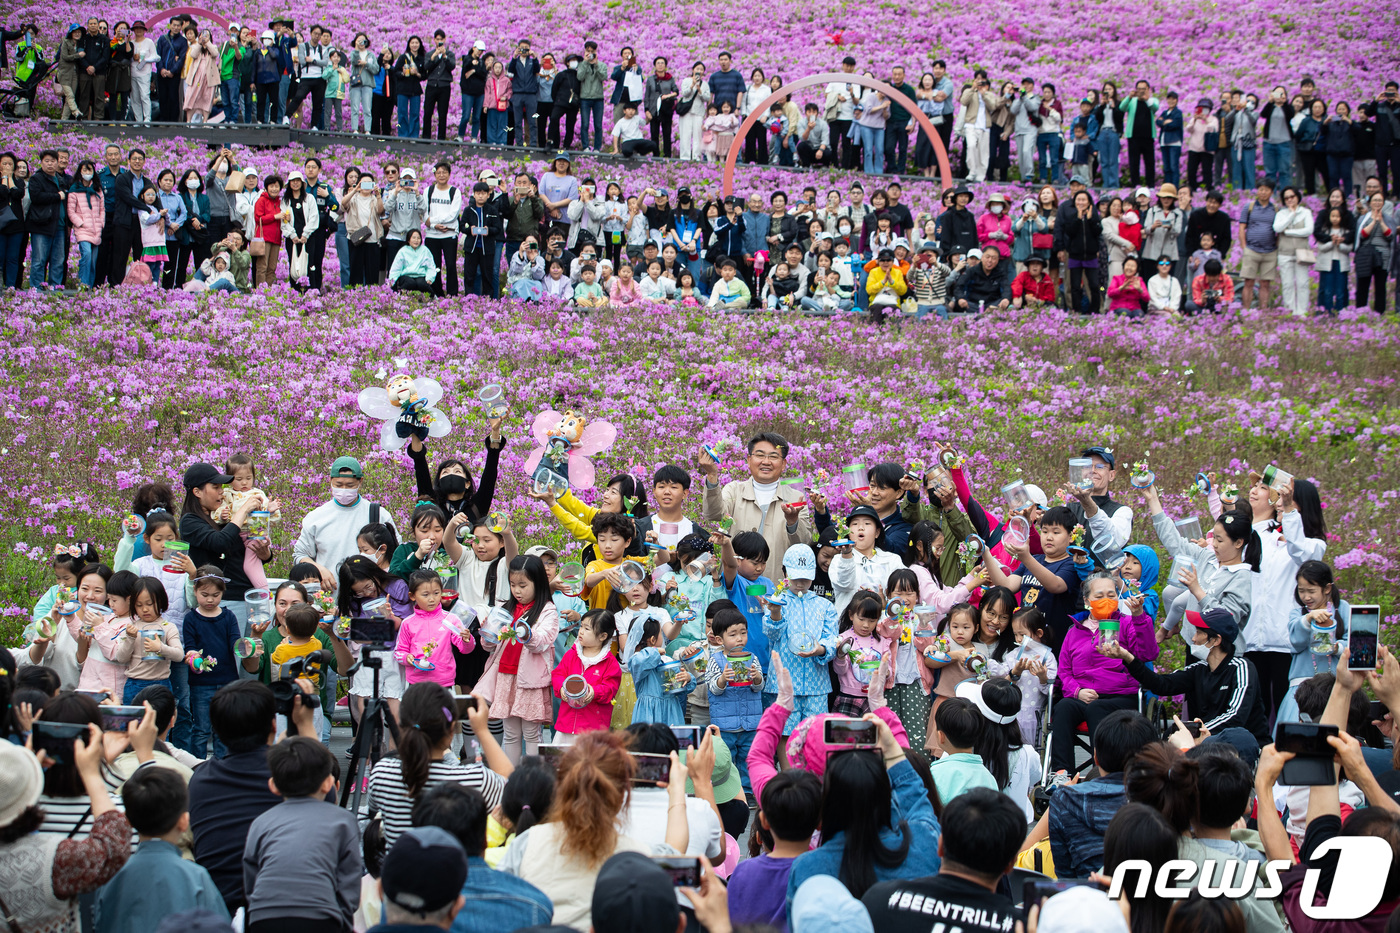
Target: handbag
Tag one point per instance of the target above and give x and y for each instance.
(359, 235)
(1042, 241)
(300, 261)
(258, 247)
(683, 106)
(234, 182)
(1305, 255)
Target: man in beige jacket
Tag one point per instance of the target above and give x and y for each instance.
(751, 501)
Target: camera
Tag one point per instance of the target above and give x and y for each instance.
(285, 688)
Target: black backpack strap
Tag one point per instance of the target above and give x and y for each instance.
(374, 513)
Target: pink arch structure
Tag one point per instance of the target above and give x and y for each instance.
(838, 78)
(200, 15)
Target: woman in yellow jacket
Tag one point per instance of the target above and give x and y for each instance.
(576, 518)
(886, 286)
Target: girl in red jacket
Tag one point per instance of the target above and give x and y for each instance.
(591, 660)
(268, 214)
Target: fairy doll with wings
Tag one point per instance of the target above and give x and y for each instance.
(567, 440)
(406, 406)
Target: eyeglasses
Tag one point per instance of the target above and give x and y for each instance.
(766, 458)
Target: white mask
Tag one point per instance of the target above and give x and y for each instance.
(87, 176)
(573, 66)
(1200, 652)
(995, 208)
(192, 184)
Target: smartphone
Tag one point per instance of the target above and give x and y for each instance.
(1363, 637)
(688, 736)
(685, 870)
(1308, 742)
(116, 718)
(1034, 893)
(651, 769)
(1193, 727)
(97, 696)
(56, 738)
(551, 755)
(856, 733)
(464, 705)
(374, 631)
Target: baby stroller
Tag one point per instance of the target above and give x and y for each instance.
(17, 102)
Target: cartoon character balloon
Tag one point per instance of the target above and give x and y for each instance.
(406, 406)
(567, 440)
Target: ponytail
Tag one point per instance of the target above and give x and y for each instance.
(595, 784)
(427, 714)
(1167, 781)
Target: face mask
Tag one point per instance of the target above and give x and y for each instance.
(1200, 652)
(452, 484)
(345, 497)
(192, 184)
(573, 66)
(1103, 608)
(845, 231)
(266, 43)
(995, 208)
(87, 176)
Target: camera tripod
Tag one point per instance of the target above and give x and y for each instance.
(370, 737)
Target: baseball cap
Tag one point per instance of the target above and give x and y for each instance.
(1142, 193)
(824, 903)
(1103, 452)
(1035, 492)
(408, 173)
(1081, 909)
(234, 27)
(479, 45)
(974, 254)
(249, 171)
(343, 466)
(541, 551)
(1216, 621)
(295, 175)
(634, 893)
(488, 176)
(200, 473)
(425, 869)
(865, 511)
(800, 563)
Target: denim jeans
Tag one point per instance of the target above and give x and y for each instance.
(1110, 149)
(1048, 147)
(245, 94)
(1171, 165)
(1339, 171)
(471, 117)
(342, 253)
(202, 730)
(45, 256)
(593, 107)
(284, 86)
(408, 116)
(229, 90)
(1332, 289)
(1278, 163)
(87, 267)
(361, 107)
(496, 121)
(923, 310)
(135, 685)
(12, 258)
(739, 743)
(872, 141)
(1242, 168)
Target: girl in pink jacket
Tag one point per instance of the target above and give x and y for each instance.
(517, 677)
(86, 214)
(424, 647)
(994, 227)
(590, 658)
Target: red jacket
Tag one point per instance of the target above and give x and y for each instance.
(605, 678)
(267, 218)
(1023, 286)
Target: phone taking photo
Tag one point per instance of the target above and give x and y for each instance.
(1363, 637)
(651, 769)
(685, 870)
(56, 739)
(850, 733)
(117, 718)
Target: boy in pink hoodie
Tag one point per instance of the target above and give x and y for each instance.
(425, 638)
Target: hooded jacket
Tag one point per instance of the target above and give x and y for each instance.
(1151, 569)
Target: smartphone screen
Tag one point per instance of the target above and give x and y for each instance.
(464, 704)
(97, 695)
(1364, 637)
(687, 736)
(373, 630)
(56, 738)
(685, 870)
(850, 732)
(116, 718)
(651, 769)
(1305, 739)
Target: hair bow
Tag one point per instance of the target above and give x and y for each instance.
(72, 550)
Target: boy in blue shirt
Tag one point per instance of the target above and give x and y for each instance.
(736, 701)
(801, 627)
(156, 881)
(744, 558)
(1170, 125)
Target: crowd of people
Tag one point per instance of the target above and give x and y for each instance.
(582, 741)
(225, 225)
(528, 97)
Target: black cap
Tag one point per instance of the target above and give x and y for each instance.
(201, 473)
(1103, 452)
(425, 870)
(633, 893)
(865, 511)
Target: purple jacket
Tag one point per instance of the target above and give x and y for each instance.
(1082, 667)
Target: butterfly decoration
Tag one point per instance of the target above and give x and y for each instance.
(405, 405)
(567, 440)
